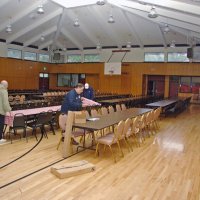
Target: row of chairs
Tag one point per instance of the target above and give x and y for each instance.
(105, 110)
(34, 104)
(137, 128)
(54, 94)
(41, 120)
(179, 107)
(93, 113)
(17, 98)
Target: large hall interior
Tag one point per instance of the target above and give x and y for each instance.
(104, 99)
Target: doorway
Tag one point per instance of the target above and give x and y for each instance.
(151, 88)
(156, 85)
(173, 86)
(43, 82)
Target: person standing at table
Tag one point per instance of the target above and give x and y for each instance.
(72, 102)
(4, 107)
(88, 92)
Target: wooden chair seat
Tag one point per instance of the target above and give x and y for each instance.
(107, 139)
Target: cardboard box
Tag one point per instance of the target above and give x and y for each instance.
(80, 117)
(72, 169)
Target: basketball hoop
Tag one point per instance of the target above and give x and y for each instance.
(111, 72)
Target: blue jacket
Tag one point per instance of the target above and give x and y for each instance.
(72, 102)
(88, 93)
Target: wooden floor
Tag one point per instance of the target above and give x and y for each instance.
(166, 167)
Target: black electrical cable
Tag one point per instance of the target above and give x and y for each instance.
(3, 186)
(24, 153)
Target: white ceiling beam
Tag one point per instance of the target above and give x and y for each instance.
(71, 38)
(37, 37)
(34, 25)
(74, 4)
(83, 28)
(163, 37)
(182, 17)
(21, 14)
(181, 27)
(175, 5)
(186, 33)
(196, 35)
(61, 46)
(59, 26)
(162, 11)
(105, 26)
(163, 20)
(3, 2)
(130, 25)
(46, 44)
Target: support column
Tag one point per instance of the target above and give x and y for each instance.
(166, 94)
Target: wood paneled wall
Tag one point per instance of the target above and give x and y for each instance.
(25, 74)
(21, 74)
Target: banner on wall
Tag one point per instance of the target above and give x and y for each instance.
(113, 68)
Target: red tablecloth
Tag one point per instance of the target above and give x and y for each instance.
(10, 115)
(89, 102)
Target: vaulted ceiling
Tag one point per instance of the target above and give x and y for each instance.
(132, 24)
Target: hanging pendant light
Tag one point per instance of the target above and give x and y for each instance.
(76, 23)
(111, 19)
(173, 45)
(9, 28)
(40, 10)
(101, 2)
(153, 13)
(128, 45)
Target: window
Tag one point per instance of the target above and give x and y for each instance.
(29, 56)
(195, 84)
(190, 84)
(70, 80)
(91, 58)
(185, 84)
(43, 57)
(74, 58)
(177, 57)
(14, 53)
(154, 57)
(43, 75)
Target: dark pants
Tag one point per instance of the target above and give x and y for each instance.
(2, 118)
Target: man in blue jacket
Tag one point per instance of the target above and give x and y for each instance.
(88, 92)
(72, 102)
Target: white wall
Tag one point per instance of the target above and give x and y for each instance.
(4, 48)
(135, 55)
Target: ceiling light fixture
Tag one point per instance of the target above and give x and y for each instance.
(173, 45)
(42, 38)
(9, 28)
(166, 28)
(142, 2)
(128, 45)
(40, 9)
(101, 2)
(76, 23)
(153, 13)
(98, 46)
(111, 19)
